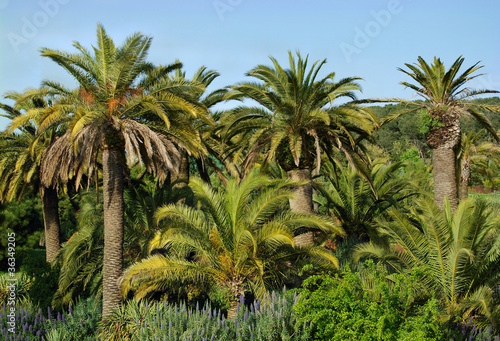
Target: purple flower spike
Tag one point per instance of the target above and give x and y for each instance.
(71, 310)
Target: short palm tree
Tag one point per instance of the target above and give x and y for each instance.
(239, 240)
(349, 197)
(472, 151)
(460, 254)
(114, 116)
(446, 99)
(296, 121)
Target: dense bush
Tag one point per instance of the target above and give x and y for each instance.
(44, 277)
(374, 305)
(366, 306)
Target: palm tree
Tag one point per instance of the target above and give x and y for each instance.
(20, 166)
(459, 252)
(296, 121)
(445, 101)
(349, 197)
(204, 125)
(113, 116)
(472, 152)
(238, 241)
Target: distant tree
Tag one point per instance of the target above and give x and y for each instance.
(472, 151)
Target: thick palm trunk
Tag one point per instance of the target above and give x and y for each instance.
(464, 182)
(50, 208)
(445, 185)
(302, 201)
(113, 228)
(232, 311)
(183, 170)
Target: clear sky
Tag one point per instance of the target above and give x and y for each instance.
(365, 38)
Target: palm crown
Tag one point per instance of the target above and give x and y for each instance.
(296, 116)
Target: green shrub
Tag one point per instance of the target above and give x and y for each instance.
(366, 306)
(80, 324)
(44, 278)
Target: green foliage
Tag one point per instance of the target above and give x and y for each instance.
(356, 201)
(366, 305)
(80, 324)
(429, 123)
(22, 284)
(42, 274)
(24, 218)
(460, 250)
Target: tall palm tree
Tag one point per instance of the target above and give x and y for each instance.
(81, 257)
(238, 241)
(113, 116)
(204, 125)
(296, 121)
(473, 152)
(445, 101)
(20, 167)
(459, 252)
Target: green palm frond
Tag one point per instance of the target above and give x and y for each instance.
(459, 250)
(237, 239)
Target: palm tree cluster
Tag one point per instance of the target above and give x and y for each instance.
(281, 181)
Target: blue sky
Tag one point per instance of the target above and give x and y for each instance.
(365, 38)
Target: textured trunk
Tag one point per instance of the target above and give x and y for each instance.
(302, 202)
(464, 181)
(113, 228)
(443, 140)
(232, 311)
(445, 185)
(183, 170)
(50, 207)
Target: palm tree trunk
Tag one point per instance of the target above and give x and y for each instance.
(50, 208)
(232, 311)
(113, 228)
(464, 182)
(445, 185)
(183, 170)
(302, 202)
